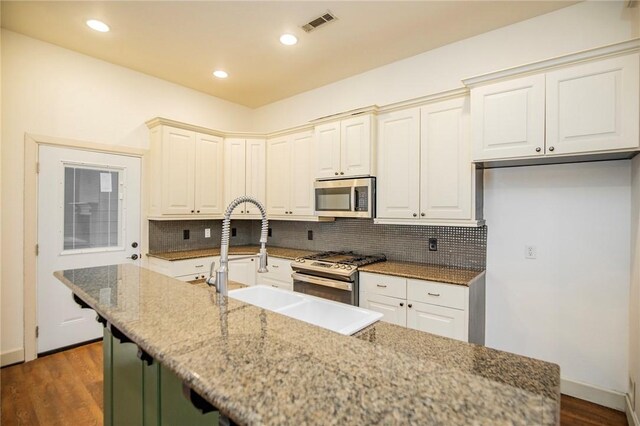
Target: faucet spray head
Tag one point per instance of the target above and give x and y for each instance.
(262, 268)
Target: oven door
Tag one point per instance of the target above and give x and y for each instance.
(326, 288)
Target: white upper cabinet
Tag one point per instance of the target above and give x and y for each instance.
(508, 118)
(209, 175)
(593, 106)
(185, 169)
(590, 107)
(425, 173)
(290, 168)
(345, 148)
(245, 174)
(398, 182)
(445, 155)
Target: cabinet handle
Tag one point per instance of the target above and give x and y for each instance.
(290, 212)
(193, 211)
(273, 285)
(341, 173)
(434, 294)
(336, 173)
(247, 211)
(381, 285)
(252, 260)
(198, 211)
(538, 149)
(410, 305)
(551, 148)
(241, 211)
(401, 304)
(415, 215)
(199, 266)
(422, 214)
(274, 266)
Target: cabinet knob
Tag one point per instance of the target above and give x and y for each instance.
(198, 211)
(538, 149)
(551, 148)
(410, 305)
(415, 215)
(422, 214)
(241, 211)
(401, 304)
(341, 173)
(134, 244)
(290, 212)
(247, 211)
(336, 173)
(193, 211)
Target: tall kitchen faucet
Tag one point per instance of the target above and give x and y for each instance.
(221, 279)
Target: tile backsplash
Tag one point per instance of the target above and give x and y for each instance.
(457, 246)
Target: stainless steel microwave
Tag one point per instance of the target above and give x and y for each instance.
(346, 197)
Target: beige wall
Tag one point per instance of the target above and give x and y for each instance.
(634, 294)
(52, 91)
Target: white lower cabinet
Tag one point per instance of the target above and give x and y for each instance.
(447, 310)
(242, 271)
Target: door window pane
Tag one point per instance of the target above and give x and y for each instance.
(92, 209)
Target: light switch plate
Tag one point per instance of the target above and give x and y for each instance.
(207, 232)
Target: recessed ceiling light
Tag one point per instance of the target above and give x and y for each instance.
(220, 74)
(94, 24)
(288, 39)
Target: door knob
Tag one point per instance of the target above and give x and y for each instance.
(133, 257)
(134, 244)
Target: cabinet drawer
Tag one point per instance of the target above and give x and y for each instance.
(194, 267)
(449, 295)
(383, 284)
(266, 279)
(438, 320)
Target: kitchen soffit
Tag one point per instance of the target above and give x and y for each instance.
(183, 42)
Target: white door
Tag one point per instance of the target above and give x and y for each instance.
(278, 176)
(88, 215)
(327, 150)
(209, 165)
(508, 118)
(235, 176)
(356, 146)
(256, 174)
(302, 192)
(593, 106)
(394, 310)
(446, 168)
(399, 164)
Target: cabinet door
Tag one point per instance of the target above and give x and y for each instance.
(209, 197)
(508, 119)
(302, 175)
(327, 150)
(393, 309)
(446, 169)
(438, 320)
(235, 177)
(593, 106)
(398, 183)
(256, 173)
(178, 174)
(278, 176)
(356, 146)
(243, 271)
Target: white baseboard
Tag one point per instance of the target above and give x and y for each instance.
(606, 397)
(12, 357)
(632, 418)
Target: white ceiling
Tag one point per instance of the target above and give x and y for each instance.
(184, 41)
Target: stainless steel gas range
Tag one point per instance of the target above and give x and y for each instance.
(331, 275)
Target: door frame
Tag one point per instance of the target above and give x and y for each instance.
(32, 145)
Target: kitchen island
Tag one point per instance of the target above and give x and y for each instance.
(259, 367)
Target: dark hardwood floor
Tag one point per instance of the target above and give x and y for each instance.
(66, 389)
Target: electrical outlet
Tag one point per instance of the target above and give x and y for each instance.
(207, 232)
(270, 233)
(309, 235)
(530, 252)
(433, 244)
(185, 234)
(234, 232)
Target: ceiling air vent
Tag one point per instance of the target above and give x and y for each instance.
(319, 21)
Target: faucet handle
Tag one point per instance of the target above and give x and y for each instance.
(212, 277)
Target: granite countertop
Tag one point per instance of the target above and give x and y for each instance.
(422, 271)
(259, 367)
(282, 252)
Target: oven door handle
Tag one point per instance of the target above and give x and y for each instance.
(341, 285)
